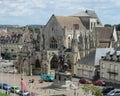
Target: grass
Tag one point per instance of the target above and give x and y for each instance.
(1, 94)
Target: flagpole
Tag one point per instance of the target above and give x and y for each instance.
(1, 77)
(14, 79)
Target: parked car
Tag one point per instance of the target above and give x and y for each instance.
(5, 86)
(12, 71)
(114, 93)
(23, 93)
(99, 83)
(47, 77)
(107, 89)
(31, 94)
(15, 89)
(85, 81)
(59, 95)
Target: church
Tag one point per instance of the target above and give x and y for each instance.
(68, 39)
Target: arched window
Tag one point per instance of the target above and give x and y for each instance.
(53, 43)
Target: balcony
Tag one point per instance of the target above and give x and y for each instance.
(113, 71)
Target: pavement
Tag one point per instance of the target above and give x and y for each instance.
(41, 89)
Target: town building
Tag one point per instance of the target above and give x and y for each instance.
(11, 39)
(109, 66)
(88, 66)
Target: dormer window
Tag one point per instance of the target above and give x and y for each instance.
(118, 58)
(76, 26)
(108, 57)
(114, 58)
(102, 57)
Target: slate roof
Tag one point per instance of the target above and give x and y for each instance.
(88, 13)
(101, 52)
(117, 49)
(68, 22)
(81, 14)
(88, 59)
(94, 56)
(13, 35)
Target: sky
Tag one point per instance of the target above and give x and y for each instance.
(26, 12)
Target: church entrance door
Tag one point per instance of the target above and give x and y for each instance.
(54, 62)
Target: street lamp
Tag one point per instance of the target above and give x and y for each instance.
(19, 58)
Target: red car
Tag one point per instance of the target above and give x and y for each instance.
(99, 83)
(85, 81)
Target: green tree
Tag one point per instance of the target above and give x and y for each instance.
(37, 30)
(96, 91)
(118, 27)
(107, 25)
(30, 28)
(86, 88)
(89, 88)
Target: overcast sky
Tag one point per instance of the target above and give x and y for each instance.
(25, 12)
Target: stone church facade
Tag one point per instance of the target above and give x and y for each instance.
(71, 36)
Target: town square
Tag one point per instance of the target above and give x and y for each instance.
(59, 48)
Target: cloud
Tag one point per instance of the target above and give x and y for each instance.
(13, 7)
(35, 9)
(20, 7)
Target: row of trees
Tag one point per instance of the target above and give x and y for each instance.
(117, 26)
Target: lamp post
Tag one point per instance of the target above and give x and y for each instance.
(20, 58)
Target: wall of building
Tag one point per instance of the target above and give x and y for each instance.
(86, 71)
(109, 70)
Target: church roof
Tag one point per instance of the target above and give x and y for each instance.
(104, 35)
(81, 14)
(68, 22)
(88, 59)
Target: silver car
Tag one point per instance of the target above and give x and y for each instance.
(114, 93)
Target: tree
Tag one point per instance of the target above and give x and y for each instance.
(95, 90)
(107, 25)
(30, 28)
(118, 27)
(86, 88)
